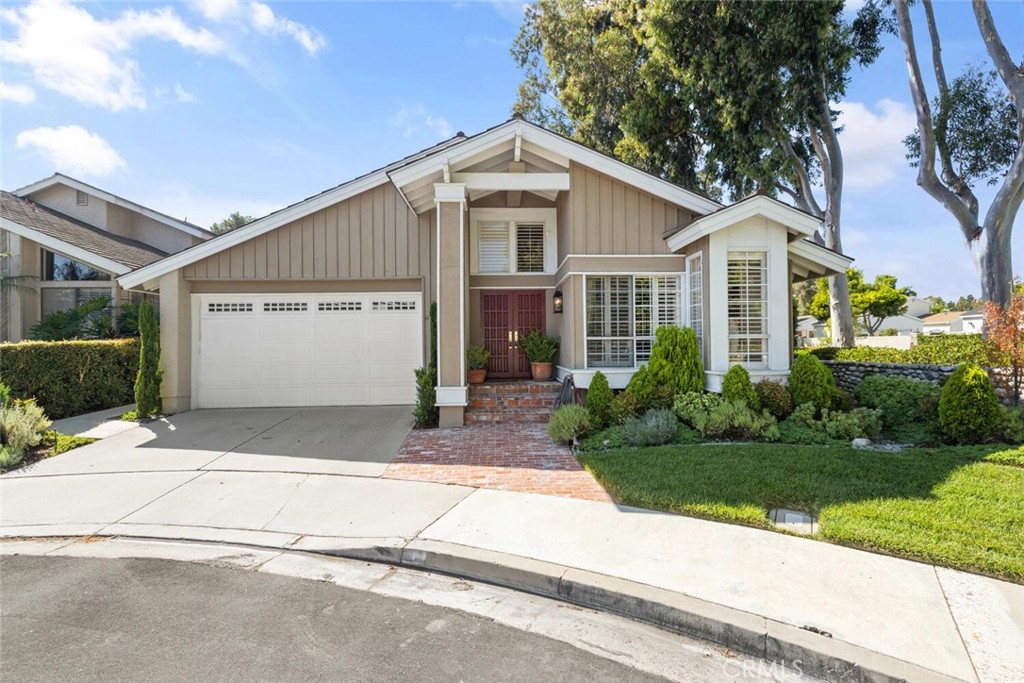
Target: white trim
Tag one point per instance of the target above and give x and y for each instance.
(462, 292)
(816, 254)
(527, 182)
(569, 256)
(451, 397)
(449, 192)
(760, 205)
(596, 273)
(566, 149)
(517, 287)
(64, 248)
(254, 229)
(59, 179)
(437, 292)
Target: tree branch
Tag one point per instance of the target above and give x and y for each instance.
(1011, 73)
(926, 176)
(806, 198)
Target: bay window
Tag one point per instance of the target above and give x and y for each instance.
(623, 312)
(748, 308)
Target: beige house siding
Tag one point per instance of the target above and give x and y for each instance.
(611, 217)
(371, 235)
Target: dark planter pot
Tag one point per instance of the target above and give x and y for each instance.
(542, 371)
(477, 376)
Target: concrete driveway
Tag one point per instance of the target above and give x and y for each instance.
(357, 441)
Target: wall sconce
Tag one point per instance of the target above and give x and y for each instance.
(557, 301)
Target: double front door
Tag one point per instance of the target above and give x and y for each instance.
(507, 317)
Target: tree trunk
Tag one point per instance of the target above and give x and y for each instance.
(839, 308)
(993, 259)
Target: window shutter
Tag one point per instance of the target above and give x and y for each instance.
(494, 248)
(530, 247)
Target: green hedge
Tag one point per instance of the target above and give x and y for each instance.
(72, 377)
(945, 349)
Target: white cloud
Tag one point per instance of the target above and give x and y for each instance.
(70, 51)
(261, 17)
(873, 151)
(19, 94)
(183, 96)
(72, 149)
(412, 119)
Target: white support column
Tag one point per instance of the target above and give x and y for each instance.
(452, 393)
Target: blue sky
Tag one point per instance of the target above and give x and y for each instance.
(203, 108)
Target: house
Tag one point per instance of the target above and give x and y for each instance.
(326, 302)
(954, 322)
(72, 240)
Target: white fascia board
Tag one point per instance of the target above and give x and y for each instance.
(69, 250)
(837, 263)
(112, 199)
(454, 154)
(254, 229)
(618, 169)
(529, 182)
(771, 209)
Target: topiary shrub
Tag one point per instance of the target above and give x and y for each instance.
(968, 407)
(147, 382)
(569, 423)
(599, 401)
(904, 402)
(647, 392)
(810, 381)
(690, 404)
(654, 428)
(426, 414)
(736, 386)
(675, 360)
(72, 377)
(735, 421)
(775, 398)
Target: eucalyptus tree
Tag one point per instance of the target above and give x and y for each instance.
(732, 95)
(973, 131)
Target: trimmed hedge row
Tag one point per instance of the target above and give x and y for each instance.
(72, 377)
(946, 349)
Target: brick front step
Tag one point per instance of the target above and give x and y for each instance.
(499, 402)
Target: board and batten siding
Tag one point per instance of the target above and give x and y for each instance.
(373, 235)
(611, 217)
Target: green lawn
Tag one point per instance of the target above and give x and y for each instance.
(957, 507)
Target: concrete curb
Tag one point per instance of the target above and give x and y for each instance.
(808, 652)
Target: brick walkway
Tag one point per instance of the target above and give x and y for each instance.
(511, 457)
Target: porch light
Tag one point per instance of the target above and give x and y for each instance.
(557, 301)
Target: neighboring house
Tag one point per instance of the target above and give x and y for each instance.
(326, 302)
(72, 240)
(955, 322)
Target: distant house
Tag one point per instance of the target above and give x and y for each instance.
(954, 322)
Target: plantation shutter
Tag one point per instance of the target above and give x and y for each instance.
(530, 247)
(494, 248)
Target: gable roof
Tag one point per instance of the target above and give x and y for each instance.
(941, 318)
(75, 239)
(420, 165)
(796, 220)
(61, 179)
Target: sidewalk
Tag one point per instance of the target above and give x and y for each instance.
(770, 595)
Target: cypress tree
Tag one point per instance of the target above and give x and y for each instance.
(147, 382)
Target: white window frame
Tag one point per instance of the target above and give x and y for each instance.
(633, 337)
(548, 217)
(764, 336)
(695, 279)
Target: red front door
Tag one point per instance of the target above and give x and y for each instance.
(507, 318)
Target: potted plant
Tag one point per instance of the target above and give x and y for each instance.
(476, 364)
(540, 350)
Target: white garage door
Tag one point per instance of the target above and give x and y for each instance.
(306, 350)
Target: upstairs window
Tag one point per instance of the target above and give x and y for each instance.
(494, 248)
(57, 268)
(512, 240)
(530, 247)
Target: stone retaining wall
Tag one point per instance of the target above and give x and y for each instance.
(849, 374)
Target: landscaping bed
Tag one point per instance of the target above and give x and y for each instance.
(52, 443)
(959, 507)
